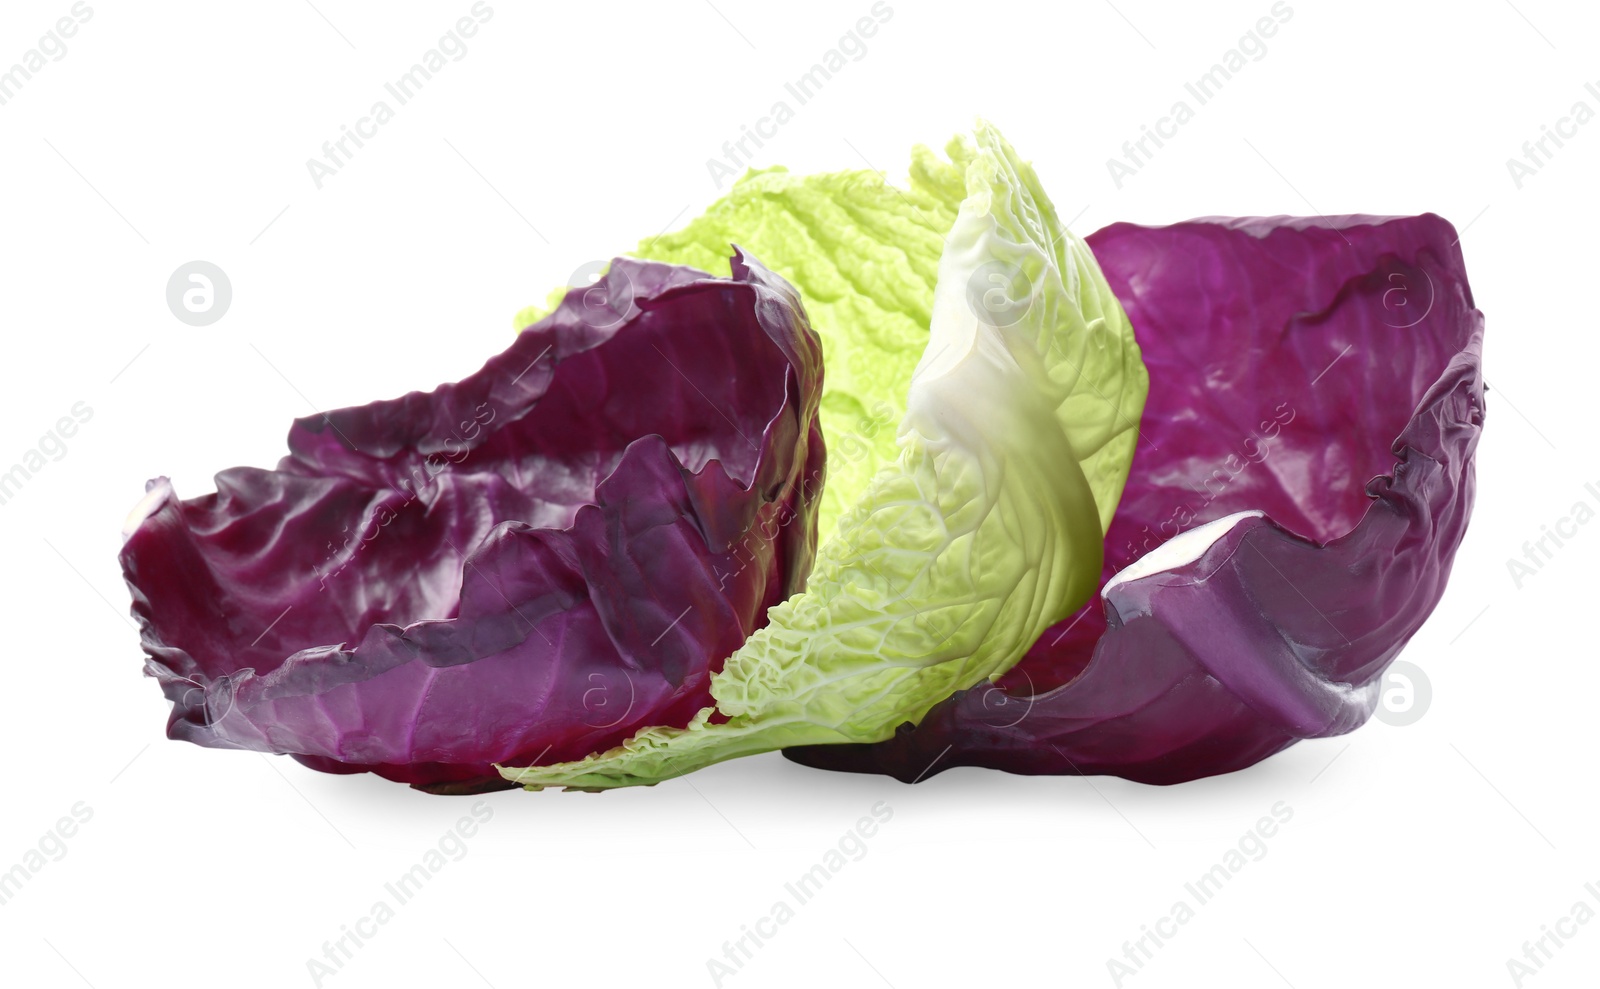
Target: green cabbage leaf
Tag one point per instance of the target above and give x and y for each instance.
(1015, 430)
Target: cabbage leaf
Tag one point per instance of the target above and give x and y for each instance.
(985, 529)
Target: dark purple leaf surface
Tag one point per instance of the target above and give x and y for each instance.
(1321, 373)
(525, 566)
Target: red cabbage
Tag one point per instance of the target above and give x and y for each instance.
(1320, 374)
(526, 566)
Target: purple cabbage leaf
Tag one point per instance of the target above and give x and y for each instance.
(1302, 480)
(525, 566)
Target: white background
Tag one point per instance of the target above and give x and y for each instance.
(1416, 856)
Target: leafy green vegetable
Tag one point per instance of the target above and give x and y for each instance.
(984, 529)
